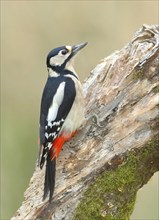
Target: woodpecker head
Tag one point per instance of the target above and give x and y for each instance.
(61, 58)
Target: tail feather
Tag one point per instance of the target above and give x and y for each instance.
(44, 155)
(46, 184)
(49, 183)
(39, 154)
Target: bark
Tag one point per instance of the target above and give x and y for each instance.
(100, 170)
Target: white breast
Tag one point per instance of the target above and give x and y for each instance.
(75, 117)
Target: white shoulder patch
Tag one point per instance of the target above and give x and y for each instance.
(52, 73)
(56, 102)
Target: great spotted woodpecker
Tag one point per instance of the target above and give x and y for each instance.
(62, 109)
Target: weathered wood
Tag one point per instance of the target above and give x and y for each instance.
(122, 98)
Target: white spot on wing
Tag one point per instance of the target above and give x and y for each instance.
(49, 146)
(56, 123)
(46, 135)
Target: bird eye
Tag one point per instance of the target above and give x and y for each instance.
(64, 52)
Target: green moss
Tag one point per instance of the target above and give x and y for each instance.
(137, 74)
(112, 195)
(156, 89)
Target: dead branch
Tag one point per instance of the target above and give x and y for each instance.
(122, 97)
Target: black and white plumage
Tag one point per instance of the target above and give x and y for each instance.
(62, 109)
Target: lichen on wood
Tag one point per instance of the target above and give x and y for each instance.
(100, 170)
(112, 195)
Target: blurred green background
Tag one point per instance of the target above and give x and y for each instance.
(29, 30)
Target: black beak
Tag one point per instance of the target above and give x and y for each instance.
(78, 47)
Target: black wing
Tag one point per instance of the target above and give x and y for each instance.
(49, 129)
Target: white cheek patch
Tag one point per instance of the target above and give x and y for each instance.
(59, 59)
(52, 73)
